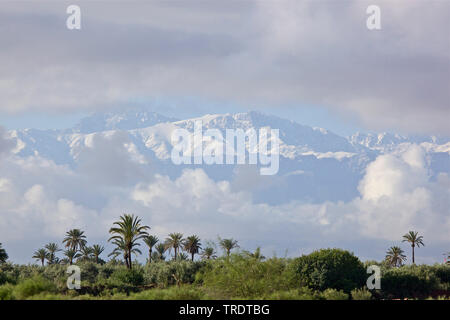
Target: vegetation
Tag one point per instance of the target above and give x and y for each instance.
(395, 257)
(200, 273)
(3, 255)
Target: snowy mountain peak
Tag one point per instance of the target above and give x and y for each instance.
(133, 119)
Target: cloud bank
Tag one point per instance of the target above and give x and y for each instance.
(259, 53)
(40, 201)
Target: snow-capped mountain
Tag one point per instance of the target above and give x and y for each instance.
(315, 164)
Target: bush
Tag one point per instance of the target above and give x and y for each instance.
(166, 273)
(6, 292)
(33, 286)
(333, 294)
(361, 294)
(331, 268)
(293, 294)
(125, 279)
(409, 281)
(173, 293)
(244, 277)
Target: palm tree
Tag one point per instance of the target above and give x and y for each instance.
(150, 241)
(192, 245)
(75, 239)
(395, 256)
(415, 240)
(228, 245)
(182, 256)
(71, 254)
(159, 254)
(97, 251)
(86, 253)
(121, 248)
(40, 255)
(129, 230)
(52, 248)
(209, 253)
(3, 255)
(174, 241)
(255, 255)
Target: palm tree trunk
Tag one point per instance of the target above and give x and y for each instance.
(42, 261)
(413, 255)
(193, 256)
(150, 255)
(129, 258)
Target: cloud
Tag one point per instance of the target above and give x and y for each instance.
(40, 200)
(261, 53)
(6, 143)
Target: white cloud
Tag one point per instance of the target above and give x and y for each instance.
(40, 200)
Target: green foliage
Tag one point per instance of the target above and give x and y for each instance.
(409, 281)
(333, 294)
(331, 268)
(164, 274)
(173, 293)
(244, 277)
(126, 279)
(6, 292)
(361, 294)
(3, 255)
(33, 286)
(304, 293)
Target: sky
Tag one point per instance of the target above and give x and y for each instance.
(253, 54)
(315, 62)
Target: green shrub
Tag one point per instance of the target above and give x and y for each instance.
(333, 294)
(361, 294)
(409, 281)
(166, 273)
(33, 286)
(125, 279)
(244, 277)
(331, 268)
(172, 293)
(293, 294)
(6, 292)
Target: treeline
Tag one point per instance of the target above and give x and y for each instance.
(331, 274)
(324, 274)
(126, 236)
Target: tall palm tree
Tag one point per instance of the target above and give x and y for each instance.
(395, 256)
(3, 255)
(71, 255)
(150, 241)
(192, 245)
(159, 254)
(175, 242)
(228, 245)
(415, 240)
(97, 251)
(75, 239)
(209, 253)
(128, 230)
(52, 248)
(40, 255)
